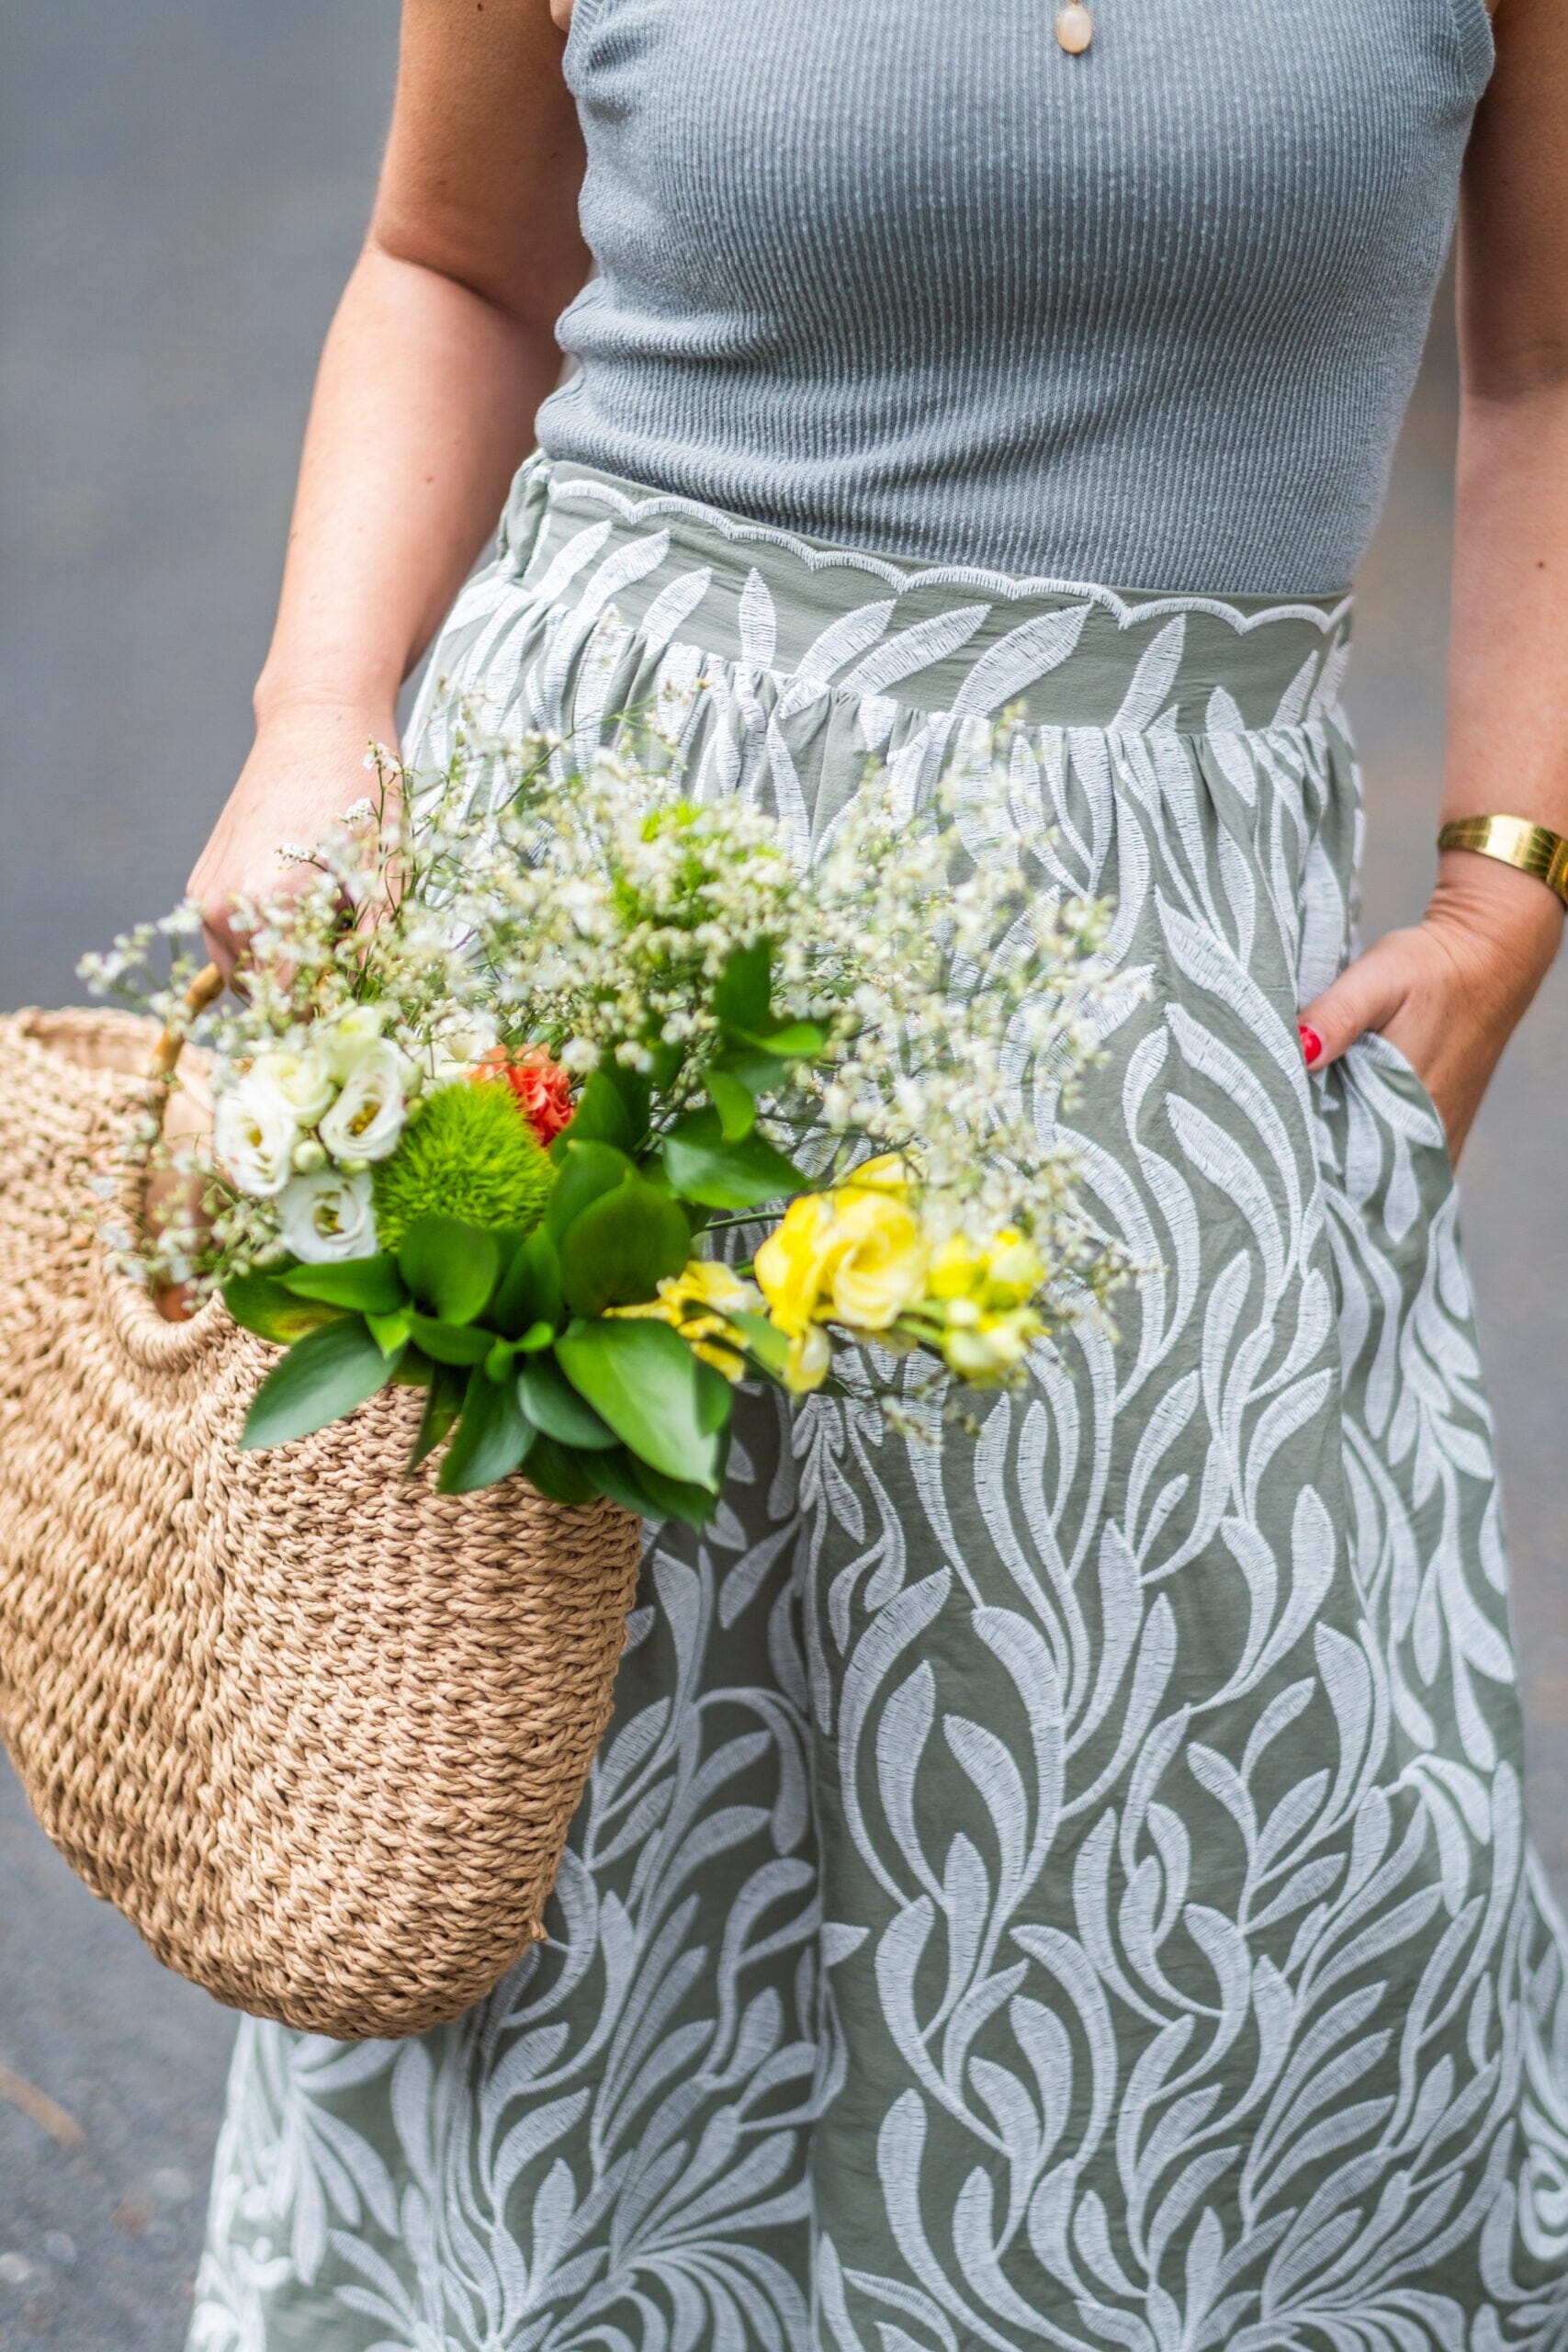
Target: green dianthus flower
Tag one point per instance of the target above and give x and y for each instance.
(470, 1153)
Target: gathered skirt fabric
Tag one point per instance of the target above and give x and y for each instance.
(1067, 1888)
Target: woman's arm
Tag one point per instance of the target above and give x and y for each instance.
(442, 349)
(1450, 990)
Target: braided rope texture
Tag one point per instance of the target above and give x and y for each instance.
(316, 1729)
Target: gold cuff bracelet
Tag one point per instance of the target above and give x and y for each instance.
(1532, 848)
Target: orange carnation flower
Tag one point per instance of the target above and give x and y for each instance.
(543, 1090)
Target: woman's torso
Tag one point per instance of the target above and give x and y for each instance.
(910, 277)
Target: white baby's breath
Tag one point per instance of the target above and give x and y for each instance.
(960, 994)
(589, 906)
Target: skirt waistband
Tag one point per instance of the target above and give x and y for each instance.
(927, 636)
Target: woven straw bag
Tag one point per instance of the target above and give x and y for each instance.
(317, 1730)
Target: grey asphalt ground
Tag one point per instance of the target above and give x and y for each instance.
(182, 188)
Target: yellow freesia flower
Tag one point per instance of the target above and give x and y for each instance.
(723, 1360)
(857, 1254)
(650, 1310)
(1014, 1270)
(983, 1349)
(708, 1285)
(955, 1269)
(1007, 1272)
(792, 1265)
(807, 1363)
(878, 1265)
(708, 1282)
(889, 1172)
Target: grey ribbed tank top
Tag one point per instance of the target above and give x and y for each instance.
(904, 274)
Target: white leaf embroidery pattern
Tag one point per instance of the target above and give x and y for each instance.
(1068, 1888)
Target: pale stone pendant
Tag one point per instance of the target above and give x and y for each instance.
(1075, 27)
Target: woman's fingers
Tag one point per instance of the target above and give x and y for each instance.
(1448, 990)
(228, 943)
(1367, 995)
(225, 941)
(306, 768)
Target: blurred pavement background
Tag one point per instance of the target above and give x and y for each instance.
(182, 188)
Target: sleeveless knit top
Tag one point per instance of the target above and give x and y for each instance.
(904, 274)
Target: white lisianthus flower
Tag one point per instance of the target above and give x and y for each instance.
(254, 1130)
(345, 1038)
(303, 1080)
(327, 1217)
(458, 1045)
(367, 1117)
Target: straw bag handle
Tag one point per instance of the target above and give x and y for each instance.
(206, 987)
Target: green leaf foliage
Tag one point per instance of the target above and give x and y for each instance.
(259, 1303)
(602, 1115)
(715, 1398)
(792, 1040)
(587, 1169)
(617, 1250)
(672, 1499)
(324, 1378)
(615, 1476)
(764, 1341)
(752, 1068)
(558, 1474)
(554, 1406)
(443, 1403)
(734, 1101)
(491, 1438)
(529, 1291)
(637, 1487)
(641, 1377)
(464, 1343)
(719, 1174)
(367, 1286)
(450, 1267)
(744, 992)
(635, 1088)
(391, 1332)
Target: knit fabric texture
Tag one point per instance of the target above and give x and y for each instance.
(910, 277)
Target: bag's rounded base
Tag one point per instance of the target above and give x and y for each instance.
(317, 1730)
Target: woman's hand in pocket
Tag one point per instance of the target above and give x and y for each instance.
(306, 768)
(1450, 990)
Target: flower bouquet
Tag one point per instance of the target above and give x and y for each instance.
(576, 1102)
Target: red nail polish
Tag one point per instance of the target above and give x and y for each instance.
(1311, 1043)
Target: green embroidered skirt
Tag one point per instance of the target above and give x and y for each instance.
(1068, 1889)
